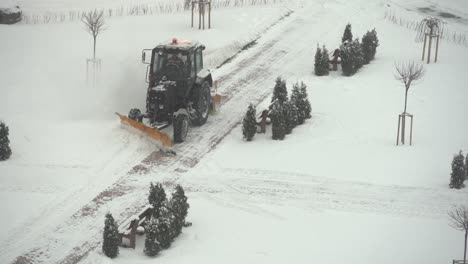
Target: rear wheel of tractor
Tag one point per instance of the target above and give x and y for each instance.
(134, 114)
(201, 98)
(181, 127)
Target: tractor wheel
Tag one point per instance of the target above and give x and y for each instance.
(201, 101)
(134, 114)
(181, 127)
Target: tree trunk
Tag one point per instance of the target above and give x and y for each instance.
(464, 255)
(406, 99)
(94, 48)
(403, 121)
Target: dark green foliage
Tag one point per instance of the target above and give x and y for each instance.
(291, 116)
(299, 98)
(306, 108)
(370, 42)
(111, 241)
(249, 124)
(352, 57)
(152, 246)
(164, 233)
(321, 64)
(5, 150)
(280, 91)
(318, 62)
(156, 197)
(180, 205)
(174, 226)
(458, 171)
(325, 60)
(179, 208)
(347, 34)
(466, 167)
(278, 121)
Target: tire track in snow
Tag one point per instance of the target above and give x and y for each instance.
(242, 187)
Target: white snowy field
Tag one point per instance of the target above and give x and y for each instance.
(336, 190)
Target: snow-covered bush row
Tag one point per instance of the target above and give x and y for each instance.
(353, 53)
(167, 220)
(165, 224)
(285, 112)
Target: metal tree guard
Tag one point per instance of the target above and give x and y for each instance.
(429, 28)
(402, 120)
(201, 12)
(93, 70)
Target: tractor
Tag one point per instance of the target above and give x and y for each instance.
(180, 91)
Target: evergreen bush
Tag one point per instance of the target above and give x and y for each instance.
(457, 177)
(152, 246)
(111, 241)
(164, 234)
(156, 197)
(370, 42)
(249, 123)
(352, 57)
(280, 92)
(179, 207)
(291, 116)
(5, 150)
(347, 34)
(321, 64)
(278, 121)
(325, 61)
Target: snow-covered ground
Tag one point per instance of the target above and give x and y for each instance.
(336, 190)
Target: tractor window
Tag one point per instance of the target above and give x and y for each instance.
(192, 67)
(159, 61)
(199, 60)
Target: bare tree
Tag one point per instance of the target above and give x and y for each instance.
(407, 73)
(94, 24)
(459, 220)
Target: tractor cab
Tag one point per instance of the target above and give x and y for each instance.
(174, 61)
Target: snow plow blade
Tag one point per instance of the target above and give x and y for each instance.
(215, 98)
(162, 138)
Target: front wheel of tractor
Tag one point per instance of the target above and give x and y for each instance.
(135, 114)
(181, 127)
(201, 99)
